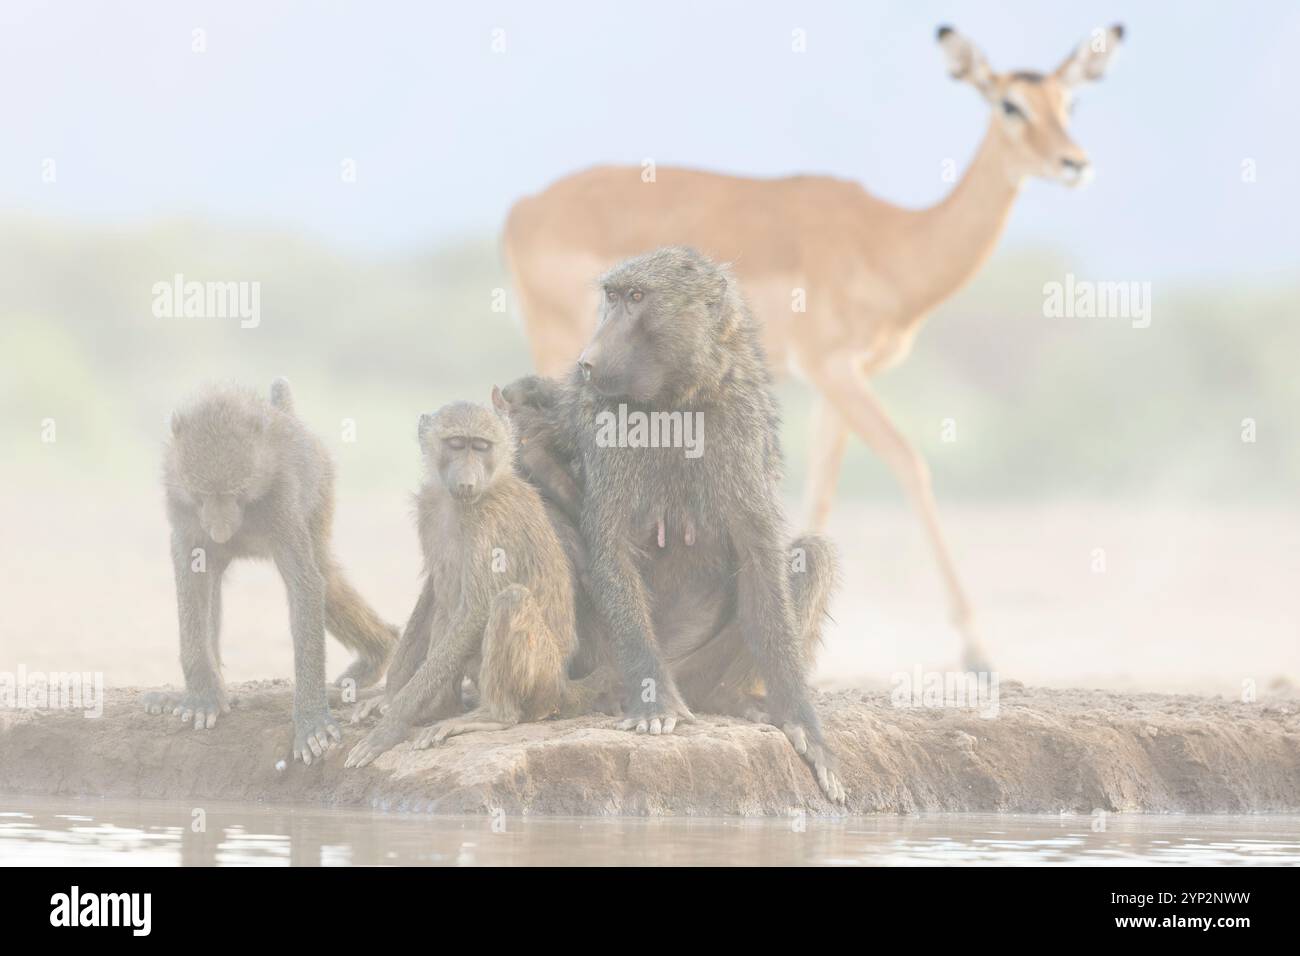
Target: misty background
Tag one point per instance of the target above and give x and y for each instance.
(136, 148)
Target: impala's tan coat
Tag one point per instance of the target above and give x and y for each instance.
(839, 280)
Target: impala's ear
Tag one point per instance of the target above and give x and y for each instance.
(965, 61)
(1090, 60)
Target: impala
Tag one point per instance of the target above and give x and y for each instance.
(839, 279)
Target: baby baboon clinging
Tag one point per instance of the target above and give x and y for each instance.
(246, 479)
(706, 602)
(497, 600)
(547, 458)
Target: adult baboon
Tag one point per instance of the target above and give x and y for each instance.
(246, 479)
(674, 438)
(497, 599)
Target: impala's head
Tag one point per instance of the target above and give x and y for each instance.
(1032, 110)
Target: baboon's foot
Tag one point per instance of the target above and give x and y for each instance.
(816, 756)
(200, 707)
(379, 741)
(656, 719)
(363, 672)
(757, 715)
(370, 707)
(313, 734)
(454, 727)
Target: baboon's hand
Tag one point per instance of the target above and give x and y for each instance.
(370, 707)
(313, 734)
(656, 719)
(817, 757)
(380, 740)
(201, 707)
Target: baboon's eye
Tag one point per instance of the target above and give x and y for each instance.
(480, 444)
(637, 295)
(611, 295)
(454, 443)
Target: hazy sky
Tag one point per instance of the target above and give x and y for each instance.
(446, 133)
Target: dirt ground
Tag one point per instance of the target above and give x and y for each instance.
(1035, 751)
(1186, 633)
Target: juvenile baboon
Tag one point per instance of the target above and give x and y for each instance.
(497, 600)
(246, 479)
(706, 602)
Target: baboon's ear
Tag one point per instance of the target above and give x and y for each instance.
(722, 300)
(281, 394)
(965, 61)
(177, 423)
(1092, 57)
(499, 401)
(426, 425)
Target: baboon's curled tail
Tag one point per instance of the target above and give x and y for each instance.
(814, 575)
(349, 618)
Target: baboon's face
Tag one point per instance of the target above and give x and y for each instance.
(219, 464)
(648, 341)
(221, 516)
(467, 447)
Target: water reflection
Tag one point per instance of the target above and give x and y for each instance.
(102, 832)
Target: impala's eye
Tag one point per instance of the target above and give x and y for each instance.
(637, 295)
(455, 443)
(480, 444)
(1011, 109)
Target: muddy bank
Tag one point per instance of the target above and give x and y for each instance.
(1045, 751)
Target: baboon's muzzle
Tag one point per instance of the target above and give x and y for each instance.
(220, 517)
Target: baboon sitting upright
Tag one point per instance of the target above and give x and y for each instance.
(246, 479)
(707, 602)
(497, 600)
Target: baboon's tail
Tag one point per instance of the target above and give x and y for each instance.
(349, 618)
(814, 575)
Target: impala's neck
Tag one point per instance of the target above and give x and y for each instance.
(952, 239)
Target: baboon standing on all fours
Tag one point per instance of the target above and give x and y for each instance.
(706, 601)
(246, 479)
(497, 600)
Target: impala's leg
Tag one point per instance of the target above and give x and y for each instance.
(841, 379)
(829, 438)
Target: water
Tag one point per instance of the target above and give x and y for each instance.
(40, 831)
